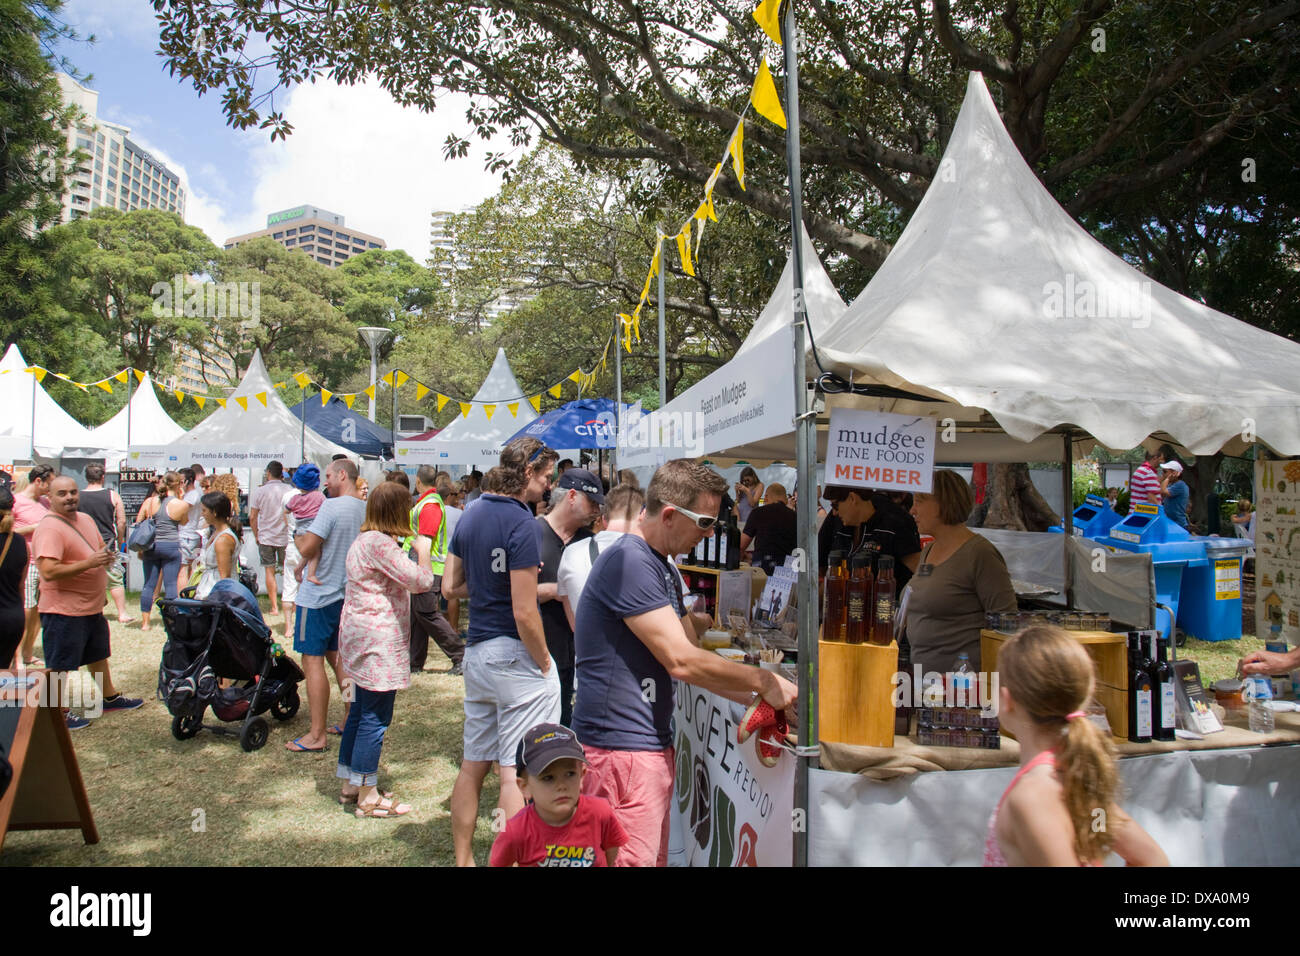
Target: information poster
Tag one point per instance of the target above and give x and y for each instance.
(1277, 547)
(880, 450)
(134, 488)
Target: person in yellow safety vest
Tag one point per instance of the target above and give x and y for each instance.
(429, 519)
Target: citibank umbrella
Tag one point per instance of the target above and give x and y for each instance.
(586, 423)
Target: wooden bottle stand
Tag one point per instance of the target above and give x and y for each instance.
(855, 693)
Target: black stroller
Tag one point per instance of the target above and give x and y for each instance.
(224, 637)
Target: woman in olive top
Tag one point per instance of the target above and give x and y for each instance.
(961, 577)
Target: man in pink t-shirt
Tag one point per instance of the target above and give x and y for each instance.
(73, 561)
(30, 506)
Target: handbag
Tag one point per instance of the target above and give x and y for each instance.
(141, 537)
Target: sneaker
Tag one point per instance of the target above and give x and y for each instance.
(759, 715)
(122, 702)
(769, 740)
(74, 722)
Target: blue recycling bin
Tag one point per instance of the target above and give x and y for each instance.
(1146, 530)
(1210, 605)
(1094, 518)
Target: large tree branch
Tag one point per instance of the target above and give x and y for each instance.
(991, 65)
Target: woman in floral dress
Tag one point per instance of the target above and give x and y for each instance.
(374, 640)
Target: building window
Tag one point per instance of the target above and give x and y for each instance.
(291, 232)
(357, 250)
(324, 260)
(307, 247)
(326, 232)
(277, 235)
(290, 242)
(372, 245)
(339, 235)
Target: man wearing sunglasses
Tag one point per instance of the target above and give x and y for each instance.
(631, 645)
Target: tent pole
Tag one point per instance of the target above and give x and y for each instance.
(805, 453)
(302, 413)
(392, 432)
(1067, 519)
(663, 376)
(129, 376)
(618, 408)
(32, 453)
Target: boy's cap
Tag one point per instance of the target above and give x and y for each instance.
(583, 480)
(544, 744)
(1173, 466)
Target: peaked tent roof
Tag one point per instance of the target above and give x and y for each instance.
(149, 424)
(476, 430)
(995, 298)
(346, 426)
(822, 301)
(56, 430)
(234, 426)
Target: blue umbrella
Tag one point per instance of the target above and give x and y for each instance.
(586, 423)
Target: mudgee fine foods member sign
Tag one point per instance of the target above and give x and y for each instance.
(880, 450)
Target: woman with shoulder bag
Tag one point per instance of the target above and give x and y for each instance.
(164, 559)
(220, 558)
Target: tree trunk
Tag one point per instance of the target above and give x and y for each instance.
(1014, 503)
(1200, 479)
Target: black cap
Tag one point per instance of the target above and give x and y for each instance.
(840, 492)
(580, 479)
(546, 743)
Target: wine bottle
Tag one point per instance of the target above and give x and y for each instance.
(833, 608)
(1162, 683)
(1139, 692)
(885, 601)
(858, 595)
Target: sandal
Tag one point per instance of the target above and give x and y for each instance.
(350, 799)
(383, 808)
(336, 730)
(32, 662)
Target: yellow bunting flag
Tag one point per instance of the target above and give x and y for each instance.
(654, 260)
(645, 290)
(684, 249)
(368, 391)
(576, 377)
(442, 400)
(261, 397)
(106, 385)
(199, 400)
(536, 402)
(38, 372)
(139, 375)
(488, 410)
(243, 402)
(325, 396)
(221, 402)
(737, 150)
(636, 323)
(768, 15)
(122, 375)
(387, 379)
(421, 390)
(764, 96)
(79, 385)
(555, 390)
(464, 409)
(303, 379)
(514, 409)
(279, 384)
(349, 398)
(400, 379)
(180, 397)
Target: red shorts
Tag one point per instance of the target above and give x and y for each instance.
(639, 786)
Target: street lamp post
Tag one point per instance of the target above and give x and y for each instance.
(373, 335)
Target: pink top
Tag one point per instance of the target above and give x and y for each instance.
(374, 631)
(992, 849)
(305, 504)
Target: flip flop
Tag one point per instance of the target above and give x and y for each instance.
(32, 662)
(128, 621)
(336, 730)
(295, 746)
(383, 809)
(350, 799)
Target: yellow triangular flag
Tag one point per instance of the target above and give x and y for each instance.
(488, 410)
(536, 402)
(279, 384)
(645, 290)
(180, 396)
(325, 396)
(712, 181)
(79, 385)
(576, 377)
(369, 391)
(349, 398)
(514, 409)
(243, 402)
(401, 379)
(221, 402)
(764, 96)
(387, 379)
(261, 397)
(700, 218)
(122, 375)
(139, 375)
(303, 379)
(464, 409)
(106, 385)
(199, 400)
(737, 150)
(654, 260)
(684, 249)
(38, 372)
(421, 390)
(555, 390)
(768, 15)
(442, 400)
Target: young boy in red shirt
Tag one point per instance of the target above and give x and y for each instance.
(560, 826)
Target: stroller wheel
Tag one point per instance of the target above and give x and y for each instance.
(253, 736)
(186, 726)
(286, 705)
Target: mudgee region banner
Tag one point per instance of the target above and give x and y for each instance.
(880, 450)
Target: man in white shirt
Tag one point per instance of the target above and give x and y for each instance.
(270, 528)
(623, 505)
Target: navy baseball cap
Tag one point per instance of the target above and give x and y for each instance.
(544, 744)
(582, 480)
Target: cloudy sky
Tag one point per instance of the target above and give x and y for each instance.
(353, 150)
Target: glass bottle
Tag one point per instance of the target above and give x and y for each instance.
(882, 627)
(858, 597)
(833, 606)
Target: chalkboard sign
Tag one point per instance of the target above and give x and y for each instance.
(134, 487)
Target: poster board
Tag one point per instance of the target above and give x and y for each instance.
(133, 487)
(1277, 547)
(880, 450)
(47, 791)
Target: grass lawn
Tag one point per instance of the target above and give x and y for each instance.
(262, 808)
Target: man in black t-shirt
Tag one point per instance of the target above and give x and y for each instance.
(575, 502)
(772, 529)
(881, 521)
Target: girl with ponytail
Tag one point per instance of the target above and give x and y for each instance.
(1060, 808)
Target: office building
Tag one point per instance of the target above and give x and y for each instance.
(447, 259)
(115, 172)
(318, 232)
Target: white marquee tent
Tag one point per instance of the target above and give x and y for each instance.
(56, 432)
(476, 439)
(143, 419)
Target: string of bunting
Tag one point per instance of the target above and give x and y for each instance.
(767, 103)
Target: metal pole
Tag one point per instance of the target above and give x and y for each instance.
(1067, 519)
(618, 406)
(392, 432)
(302, 407)
(130, 376)
(32, 454)
(805, 453)
(373, 370)
(663, 376)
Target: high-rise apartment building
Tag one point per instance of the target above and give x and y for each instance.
(447, 259)
(317, 232)
(118, 173)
